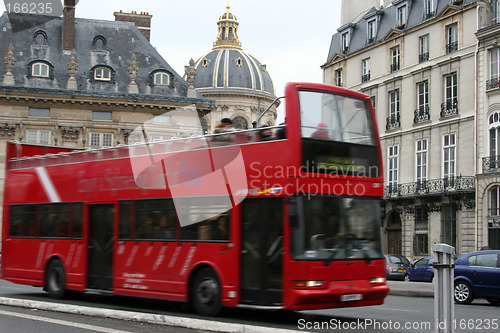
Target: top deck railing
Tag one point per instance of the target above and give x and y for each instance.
(236, 137)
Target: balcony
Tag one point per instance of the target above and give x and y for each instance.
(421, 114)
(449, 108)
(451, 47)
(431, 187)
(392, 122)
(491, 164)
(365, 77)
(423, 57)
(492, 84)
(395, 67)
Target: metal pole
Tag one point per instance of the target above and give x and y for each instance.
(444, 307)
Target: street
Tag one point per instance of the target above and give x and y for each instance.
(397, 314)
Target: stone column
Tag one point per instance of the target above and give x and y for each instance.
(133, 70)
(10, 60)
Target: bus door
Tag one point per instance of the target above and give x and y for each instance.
(100, 247)
(261, 251)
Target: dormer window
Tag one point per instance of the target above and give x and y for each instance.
(428, 8)
(345, 42)
(161, 79)
(102, 74)
(401, 17)
(40, 69)
(372, 30)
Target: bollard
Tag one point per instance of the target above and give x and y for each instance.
(444, 307)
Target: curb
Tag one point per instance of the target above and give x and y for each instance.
(190, 323)
(412, 293)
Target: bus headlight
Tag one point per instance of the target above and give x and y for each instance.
(377, 280)
(308, 284)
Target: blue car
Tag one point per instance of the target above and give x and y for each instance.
(477, 275)
(421, 270)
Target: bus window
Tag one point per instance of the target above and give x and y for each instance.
(155, 219)
(23, 221)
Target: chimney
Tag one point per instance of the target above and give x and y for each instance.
(68, 25)
(142, 21)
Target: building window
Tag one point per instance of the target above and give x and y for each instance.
(102, 74)
(428, 8)
(372, 30)
(449, 225)
(494, 203)
(423, 48)
(365, 63)
(240, 123)
(338, 77)
(393, 119)
(395, 57)
(159, 138)
(450, 106)
(36, 112)
(98, 140)
(37, 136)
(492, 83)
(494, 130)
(421, 164)
(422, 112)
(161, 79)
(40, 69)
(401, 17)
(421, 240)
(345, 42)
(496, 11)
(162, 119)
(392, 168)
(452, 38)
(449, 158)
(101, 115)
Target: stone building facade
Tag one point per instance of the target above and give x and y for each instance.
(88, 83)
(417, 59)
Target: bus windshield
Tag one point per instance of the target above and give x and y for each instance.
(333, 228)
(334, 117)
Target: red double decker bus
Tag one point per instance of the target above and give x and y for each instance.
(285, 221)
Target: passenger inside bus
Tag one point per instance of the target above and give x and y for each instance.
(221, 230)
(265, 134)
(165, 230)
(321, 132)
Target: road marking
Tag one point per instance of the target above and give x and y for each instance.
(390, 309)
(62, 322)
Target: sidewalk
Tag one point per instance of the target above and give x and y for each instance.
(411, 289)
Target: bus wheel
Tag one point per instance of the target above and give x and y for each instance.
(206, 293)
(55, 280)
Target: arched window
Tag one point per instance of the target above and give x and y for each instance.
(40, 38)
(40, 69)
(494, 132)
(161, 79)
(240, 123)
(494, 201)
(99, 43)
(102, 74)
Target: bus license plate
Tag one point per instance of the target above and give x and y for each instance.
(351, 297)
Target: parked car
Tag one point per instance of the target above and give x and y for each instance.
(477, 275)
(396, 266)
(421, 270)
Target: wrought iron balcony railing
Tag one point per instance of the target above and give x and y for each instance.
(395, 66)
(451, 47)
(365, 77)
(430, 187)
(492, 83)
(423, 57)
(421, 114)
(491, 164)
(449, 108)
(392, 122)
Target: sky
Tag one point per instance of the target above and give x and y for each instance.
(291, 37)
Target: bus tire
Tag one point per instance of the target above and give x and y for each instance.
(206, 292)
(55, 279)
